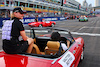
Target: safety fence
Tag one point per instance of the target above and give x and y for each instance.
(32, 19)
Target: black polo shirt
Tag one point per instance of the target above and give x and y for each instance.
(17, 26)
(13, 45)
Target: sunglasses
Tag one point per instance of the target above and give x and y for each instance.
(20, 12)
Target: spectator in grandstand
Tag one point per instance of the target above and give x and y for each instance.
(1, 2)
(32, 15)
(26, 15)
(11, 32)
(2, 15)
(36, 18)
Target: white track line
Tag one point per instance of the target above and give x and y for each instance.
(83, 34)
(92, 27)
(92, 22)
(82, 28)
(86, 34)
(76, 33)
(88, 27)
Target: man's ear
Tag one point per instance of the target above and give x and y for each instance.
(14, 13)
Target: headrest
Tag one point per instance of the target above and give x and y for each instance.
(53, 44)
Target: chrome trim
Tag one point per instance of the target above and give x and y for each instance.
(54, 61)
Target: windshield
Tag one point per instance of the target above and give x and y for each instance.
(81, 17)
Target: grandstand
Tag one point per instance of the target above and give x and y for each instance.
(44, 6)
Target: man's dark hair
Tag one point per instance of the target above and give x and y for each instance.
(55, 36)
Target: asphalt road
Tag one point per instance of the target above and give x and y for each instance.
(90, 32)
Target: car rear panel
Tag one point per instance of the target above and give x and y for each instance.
(8, 60)
(81, 19)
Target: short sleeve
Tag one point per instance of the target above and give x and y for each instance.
(64, 46)
(20, 26)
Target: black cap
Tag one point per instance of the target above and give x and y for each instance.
(18, 9)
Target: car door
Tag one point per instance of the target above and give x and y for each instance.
(76, 50)
(47, 23)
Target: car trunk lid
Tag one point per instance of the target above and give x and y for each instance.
(23, 61)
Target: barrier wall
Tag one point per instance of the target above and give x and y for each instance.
(32, 19)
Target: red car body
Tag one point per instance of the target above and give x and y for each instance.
(42, 24)
(70, 58)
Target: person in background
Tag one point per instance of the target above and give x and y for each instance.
(55, 36)
(12, 30)
(36, 18)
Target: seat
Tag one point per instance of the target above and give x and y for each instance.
(35, 49)
(52, 47)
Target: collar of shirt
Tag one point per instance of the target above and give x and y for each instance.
(15, 18)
